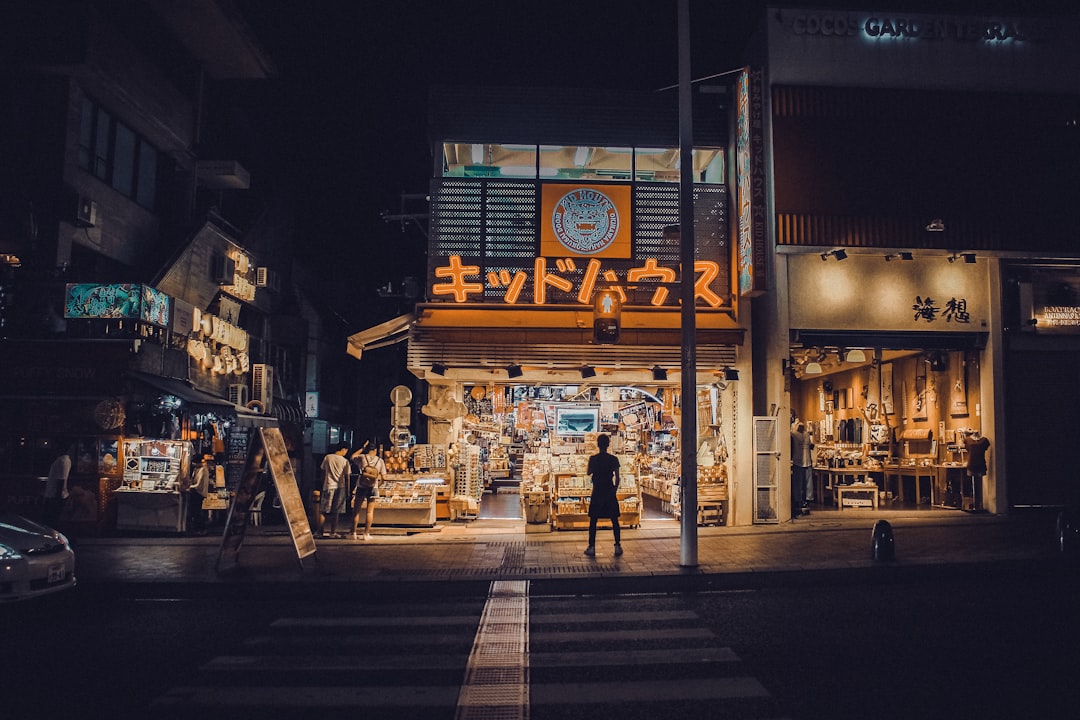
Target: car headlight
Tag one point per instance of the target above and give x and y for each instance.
(10, 559)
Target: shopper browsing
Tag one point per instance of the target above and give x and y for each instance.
(371, 470)
(335, 472)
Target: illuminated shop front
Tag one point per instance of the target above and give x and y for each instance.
(552, 304)
(888, 371)
(918, 170)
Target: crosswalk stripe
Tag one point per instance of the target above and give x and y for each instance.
(311, 623)
(630, 635)
(615, 617)
(632, 657)
(313, 697)
(413, 662)
(642, 691)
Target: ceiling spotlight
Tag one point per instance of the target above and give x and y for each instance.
(838, 253)
(438, 369)
(812, 368)
(731, 373)
(587, 372)
(855, 356)
(659, 373)
(513, 371)
(936, 225)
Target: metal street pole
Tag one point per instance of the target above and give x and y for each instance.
(688, 550)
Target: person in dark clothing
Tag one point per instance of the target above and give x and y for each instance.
(604, 470)
(977, 447)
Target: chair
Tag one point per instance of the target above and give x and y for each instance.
(256, 508)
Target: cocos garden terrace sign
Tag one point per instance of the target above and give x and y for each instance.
(880, 27)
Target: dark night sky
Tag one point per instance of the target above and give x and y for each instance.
(347, 129)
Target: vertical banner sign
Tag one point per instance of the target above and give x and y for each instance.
(750, 164)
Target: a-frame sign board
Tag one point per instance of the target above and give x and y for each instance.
(267, 452)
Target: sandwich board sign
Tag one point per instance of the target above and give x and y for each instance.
(267, 454)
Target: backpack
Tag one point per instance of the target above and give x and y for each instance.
(369, 474)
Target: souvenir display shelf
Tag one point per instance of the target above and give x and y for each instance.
(150, 497)
(407, 503)
(570, 502)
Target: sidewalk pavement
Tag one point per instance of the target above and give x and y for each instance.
(825, 544)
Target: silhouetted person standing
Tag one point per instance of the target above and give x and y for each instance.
(604, 503)
(56, 486)
(977, 447)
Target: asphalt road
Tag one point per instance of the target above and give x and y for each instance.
(996, 640)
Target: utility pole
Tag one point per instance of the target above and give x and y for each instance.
(688, 549)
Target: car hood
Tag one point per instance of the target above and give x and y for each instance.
(24, 535)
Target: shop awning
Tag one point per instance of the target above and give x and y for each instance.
(381, 335)
(180, 388)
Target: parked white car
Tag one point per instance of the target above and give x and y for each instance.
(34, 559)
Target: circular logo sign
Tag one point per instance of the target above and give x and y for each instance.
(585, 221)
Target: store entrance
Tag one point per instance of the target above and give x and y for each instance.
(888, 429)
(534, 442)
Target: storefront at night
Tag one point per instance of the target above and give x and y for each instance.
(552, 306)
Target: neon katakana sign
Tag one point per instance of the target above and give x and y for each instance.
(566, 283)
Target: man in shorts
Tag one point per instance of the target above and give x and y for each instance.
(335, 486)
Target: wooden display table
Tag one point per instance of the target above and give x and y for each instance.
(830, 478)
(857, 488)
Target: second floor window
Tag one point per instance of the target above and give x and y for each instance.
(117, 155)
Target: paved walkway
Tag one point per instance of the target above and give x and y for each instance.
(483, 550)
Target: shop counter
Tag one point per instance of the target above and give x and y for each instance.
(152, 510)
(408, 514)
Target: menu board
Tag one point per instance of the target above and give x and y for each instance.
(236, 454)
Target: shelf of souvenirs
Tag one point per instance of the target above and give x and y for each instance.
(498, 463)
(570, 496)
(409, 490)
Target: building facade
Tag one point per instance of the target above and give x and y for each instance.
(918, 211)
(147, 292)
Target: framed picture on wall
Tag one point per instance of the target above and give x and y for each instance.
(919, 402)
(886, 389)
(958, 405)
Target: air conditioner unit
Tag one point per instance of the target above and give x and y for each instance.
(85, 212)
(267, 278)
(262, 385)
(223, 270)
(238, 394)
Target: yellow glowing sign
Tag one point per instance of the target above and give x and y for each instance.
(465, 281)
(591, 220)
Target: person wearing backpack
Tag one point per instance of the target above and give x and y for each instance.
(371, 470)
